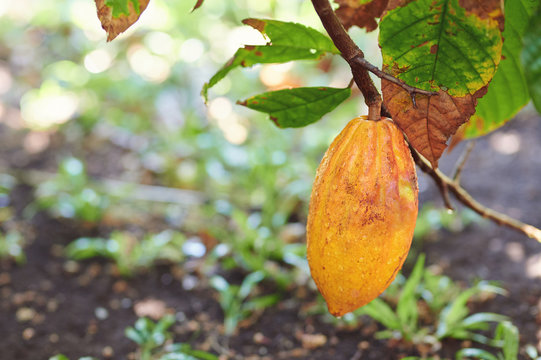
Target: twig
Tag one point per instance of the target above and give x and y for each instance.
(413, 91)
(464, 197)
(462, 161)
(440, 183)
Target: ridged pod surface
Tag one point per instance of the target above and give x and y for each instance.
(362, 214)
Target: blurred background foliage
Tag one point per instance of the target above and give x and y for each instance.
(131, 110)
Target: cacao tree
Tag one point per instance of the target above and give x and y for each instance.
(452, 70)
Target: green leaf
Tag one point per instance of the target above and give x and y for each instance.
(531, 58)
(134, 335)
(120, 7)
(508, 91)
(407, 304)
(286, 42)
(249, 283)
(475, 354)
(508, 334)
(437, 44)
(378, 310)
(297, 107)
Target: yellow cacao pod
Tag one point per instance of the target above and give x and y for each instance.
(362, 214)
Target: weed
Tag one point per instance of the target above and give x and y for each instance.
(11, 246)
(235, 301)
(70, 195)
(448, 307)
(127, 252)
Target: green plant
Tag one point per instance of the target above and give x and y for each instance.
(129, 253)
(11, 246)
(506, 337)
(450, 313)
(154, 342)
(236, 302)
(70, 195)
(150, 336)
(254, 246)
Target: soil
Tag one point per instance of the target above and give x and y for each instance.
(51, 305)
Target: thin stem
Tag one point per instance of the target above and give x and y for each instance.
(440, 183)
(462, 161)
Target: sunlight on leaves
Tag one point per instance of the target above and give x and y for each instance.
(286, 42)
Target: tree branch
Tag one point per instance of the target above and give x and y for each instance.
(350, 51)
(359, 65)
(464, 197)
(360, 68)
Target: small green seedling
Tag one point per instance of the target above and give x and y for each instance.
(234, 299)
(70, 195)
(448, 306)
(150, 336)
(154, 342)
(128, 253)
(11, 246)
(506, 337)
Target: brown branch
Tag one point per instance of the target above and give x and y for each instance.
(350, 51)
(440, 183)
(359, 65)
(360, 68)
(464, 197)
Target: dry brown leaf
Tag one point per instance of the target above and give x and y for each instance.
(352, 13)
(486, 9)
(114, 26)
(429, 125)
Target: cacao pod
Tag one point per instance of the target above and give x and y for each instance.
(362, 214)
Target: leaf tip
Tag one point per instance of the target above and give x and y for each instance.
(275, 121)
(255, 23)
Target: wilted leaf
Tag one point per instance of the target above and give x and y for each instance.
(297, 107)
(531, 58)
(433, 121)
(287, 41)
(362, 13)
(508, 91)
(437, 44)
(116, 16)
